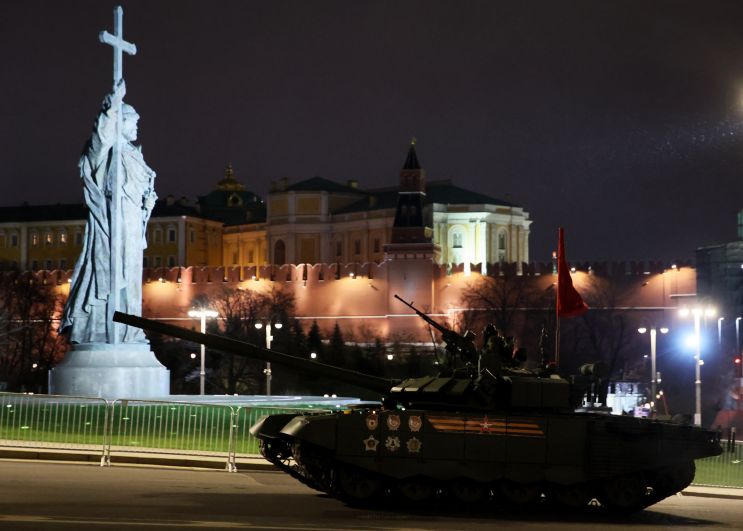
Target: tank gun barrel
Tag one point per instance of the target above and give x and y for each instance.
(249, 350)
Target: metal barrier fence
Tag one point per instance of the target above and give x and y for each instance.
(131, 426)
(140, 426)
(61, 422)
(724, 470)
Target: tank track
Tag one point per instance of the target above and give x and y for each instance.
(623, 494)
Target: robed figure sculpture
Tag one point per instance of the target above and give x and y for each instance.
(109, 360)
(87, 313)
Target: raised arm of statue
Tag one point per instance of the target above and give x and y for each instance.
(104, 130)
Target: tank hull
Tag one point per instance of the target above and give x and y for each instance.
(370, 455)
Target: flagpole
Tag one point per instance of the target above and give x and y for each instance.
(557, 335)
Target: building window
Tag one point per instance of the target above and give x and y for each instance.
(171, 261)
(250, 256)
(376, 245)
(34, 238)
(171, 235)
(158, 235)
(338, 248)
(145, 262)
(62, 237)
(63, 263)
(234, 258)
(502, 246)
(357, 247)
(14, 240)
(456, 240)
(48, 238)
(158, 261)
(192, 235)
(49, 265)
(34, 265)
(279, 253)
(78, 238)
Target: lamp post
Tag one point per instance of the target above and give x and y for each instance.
(719, 332)
(697, 312)
(269, 338)
(202, 314)
(653, 370)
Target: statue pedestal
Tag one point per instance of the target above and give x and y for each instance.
(125, 370)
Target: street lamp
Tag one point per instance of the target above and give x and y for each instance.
(654, 375)
(269, 338)
(202, 314)
(697, 312)
(719, 332)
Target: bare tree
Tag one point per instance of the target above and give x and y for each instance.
(240, 310)
(603, 332)
(29, 342)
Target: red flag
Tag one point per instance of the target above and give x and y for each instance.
(569, 301)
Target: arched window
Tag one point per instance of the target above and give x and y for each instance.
(34, 238)
(279, 252)
(456, 240)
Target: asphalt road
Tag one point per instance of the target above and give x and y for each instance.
(54, 496)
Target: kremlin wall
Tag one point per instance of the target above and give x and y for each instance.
(360, 297)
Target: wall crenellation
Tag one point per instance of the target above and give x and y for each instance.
(333, 271)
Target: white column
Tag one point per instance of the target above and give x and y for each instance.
(482, 244)
(182, 241)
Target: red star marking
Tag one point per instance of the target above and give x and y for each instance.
(485, 425)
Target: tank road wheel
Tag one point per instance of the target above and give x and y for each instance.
(520, 493)
(573, 496)
(672, 479)
(417, 489)
(358, 486)
(625, 493)
(277, 452)
(469, 491)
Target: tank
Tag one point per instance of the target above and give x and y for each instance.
(481, 430)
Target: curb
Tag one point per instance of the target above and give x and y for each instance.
(730, 493)
(243, 463)
(144, 459)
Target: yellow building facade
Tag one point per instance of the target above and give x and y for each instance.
(308, 222)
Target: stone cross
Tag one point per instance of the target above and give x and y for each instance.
(119, 45)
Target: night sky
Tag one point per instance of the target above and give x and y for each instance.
(621, 121)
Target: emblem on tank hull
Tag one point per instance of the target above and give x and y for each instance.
(415, 423)
(393, 422)
(370, 444)
(392, 443)
(414, 445)
(372, 422)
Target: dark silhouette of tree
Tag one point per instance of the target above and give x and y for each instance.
(30, 344)
(314, 340)
(239, 311)
(500, 298)
(337, 348)
(602, 333)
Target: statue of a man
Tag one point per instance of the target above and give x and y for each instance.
(85, 314)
